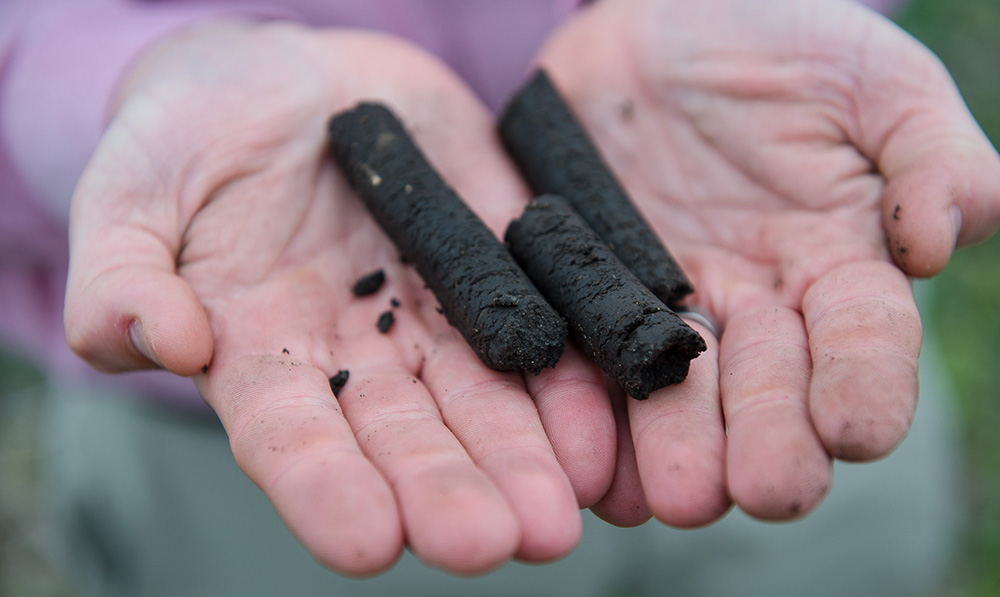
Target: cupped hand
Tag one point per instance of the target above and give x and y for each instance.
(801, 159)
(213, 237)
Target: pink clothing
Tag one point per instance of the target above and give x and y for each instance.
(59, 62)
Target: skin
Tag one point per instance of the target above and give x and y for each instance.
(801, 160)
(769, 144)
(211, 228)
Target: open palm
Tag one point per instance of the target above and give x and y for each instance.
(213, 236)
(800, 159)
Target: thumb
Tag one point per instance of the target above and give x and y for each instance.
(136, 316)
(126, 308)
(948, 197)
(942, 180)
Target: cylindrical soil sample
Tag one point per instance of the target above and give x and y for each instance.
(482, 291)
(631, 335)
(556, 156)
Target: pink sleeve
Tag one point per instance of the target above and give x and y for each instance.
(61, 60)
(59, 63)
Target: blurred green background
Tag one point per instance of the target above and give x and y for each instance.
(966, 35)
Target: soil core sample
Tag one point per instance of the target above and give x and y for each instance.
(632, 336)
(482, 291)
(556, 156)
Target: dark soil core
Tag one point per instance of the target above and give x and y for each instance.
(482, 291)
(556, 156)
(631, 335)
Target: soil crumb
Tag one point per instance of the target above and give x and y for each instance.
(369, 283)
(337, 381)
(385, 321)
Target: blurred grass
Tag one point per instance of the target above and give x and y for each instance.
(965, 34)
(28, 560)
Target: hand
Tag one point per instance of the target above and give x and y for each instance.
(800, 159)
(211, 229)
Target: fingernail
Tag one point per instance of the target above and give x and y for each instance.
(956, 221)
(138, 339)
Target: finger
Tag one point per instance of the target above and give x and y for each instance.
(289, 436)
(624, 504)
(125, 306)
(777, 467)
(498, 424)
(946, 198)
(491, 414)
(864, 335)
(137, 318)
(573, 406)
(455, 517)
(680, 444)
(942, 173)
